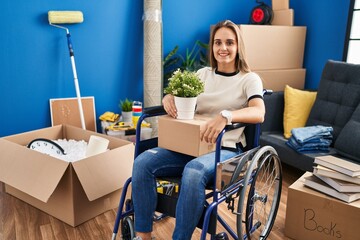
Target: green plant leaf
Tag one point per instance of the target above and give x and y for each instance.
(171, 54)
(126, 105)
(191, 61)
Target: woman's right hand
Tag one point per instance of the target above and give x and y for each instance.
(169, 105)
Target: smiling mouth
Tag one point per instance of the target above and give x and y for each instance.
(223, 54)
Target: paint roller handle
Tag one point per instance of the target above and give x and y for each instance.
(71, 50)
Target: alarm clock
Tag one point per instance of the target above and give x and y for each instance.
(46, 146)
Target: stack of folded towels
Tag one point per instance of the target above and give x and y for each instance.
(312, 139)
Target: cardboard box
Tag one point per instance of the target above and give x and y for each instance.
(280, 4)
(274, 47)
(183, 135)
(313, 215)
(276, 80)
(72, 192)
(283, 17)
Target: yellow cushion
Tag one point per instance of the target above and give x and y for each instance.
(298, 104)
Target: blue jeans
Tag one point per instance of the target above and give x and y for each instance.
(196, 174)
(304, 134)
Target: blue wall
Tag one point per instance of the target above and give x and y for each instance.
(35, 64)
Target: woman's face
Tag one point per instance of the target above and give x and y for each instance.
(225, 49)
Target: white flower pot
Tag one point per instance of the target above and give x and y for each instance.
(127, 117)
(185, 107)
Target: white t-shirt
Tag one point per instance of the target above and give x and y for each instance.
(227, 92)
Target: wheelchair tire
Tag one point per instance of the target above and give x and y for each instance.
(221, 236)
(127, 229)
(260, 196)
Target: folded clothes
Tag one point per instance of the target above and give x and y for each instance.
(318, 142)
(312, 150)
(305, 134)
(322, 145)
(312, 139)
(109, 116)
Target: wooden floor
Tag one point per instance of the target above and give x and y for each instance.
(20, 221)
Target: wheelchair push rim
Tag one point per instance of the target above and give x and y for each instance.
(260, 196)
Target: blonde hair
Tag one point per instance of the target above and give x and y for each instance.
(241, 64)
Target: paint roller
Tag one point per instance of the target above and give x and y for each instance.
(69, 17)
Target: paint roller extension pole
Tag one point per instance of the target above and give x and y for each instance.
(76, 81)
(68, 17)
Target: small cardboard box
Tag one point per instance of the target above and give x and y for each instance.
(274, 47)
(183, 135)
(276, 80)
(72, 192)
(283, 17)
(279, 4)
(313, 215)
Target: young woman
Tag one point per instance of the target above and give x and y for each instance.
(232, 94)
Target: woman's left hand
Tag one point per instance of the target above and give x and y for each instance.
(169, 105)
(212, 128)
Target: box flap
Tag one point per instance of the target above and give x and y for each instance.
(25, 138)
(104, 173)
(32, 172)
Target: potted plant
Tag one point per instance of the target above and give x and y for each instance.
(126, 110)
(185, 86)
(193, 60)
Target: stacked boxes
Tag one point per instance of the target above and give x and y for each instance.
(276, 51)
(283, 15)
(280, 4)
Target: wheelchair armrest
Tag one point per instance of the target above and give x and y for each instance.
(267, 92)
(234, 126)
(155, 110)
(237, 125)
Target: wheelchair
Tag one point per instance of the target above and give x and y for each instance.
(249, 183)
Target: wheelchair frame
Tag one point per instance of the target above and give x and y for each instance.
(253, 160)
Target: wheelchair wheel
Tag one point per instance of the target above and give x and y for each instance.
(221, 236)
(127, 229)
(260, 196)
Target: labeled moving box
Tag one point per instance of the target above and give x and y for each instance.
(313, 215)
(183, 136)
(274, 47)
(72, 192)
